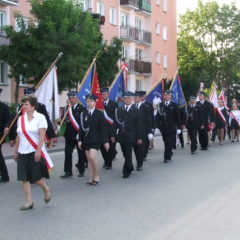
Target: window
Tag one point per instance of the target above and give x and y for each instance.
(125, 52)
(124, 19)
(100, 8)
(165, 61)
(158, 2)
(139, 54)
(87, 5)
(138, 23)
(113, 16)
(165, 5)
(164, 33)
(138, 85)
(158, 58)
(3, 72)
(18, 23)
(158, 28)
(3, 22)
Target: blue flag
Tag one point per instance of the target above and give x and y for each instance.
(118, 87)
(86, 85)
(178, 95)
(156, 93)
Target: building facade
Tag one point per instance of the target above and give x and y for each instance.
(147, 28)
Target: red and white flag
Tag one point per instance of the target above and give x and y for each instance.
(214, 97)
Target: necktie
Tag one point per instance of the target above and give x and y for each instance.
(126, 108)
(90, 113)
(105, 104)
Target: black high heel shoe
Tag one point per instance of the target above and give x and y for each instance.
(23, 208)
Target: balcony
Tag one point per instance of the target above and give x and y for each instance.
(9, 2)
(145, 6)
(139, 67)
(136, 35)
(132, 4)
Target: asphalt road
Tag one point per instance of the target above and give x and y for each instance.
(194, 197)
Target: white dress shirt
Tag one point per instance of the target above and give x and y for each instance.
(32, 127)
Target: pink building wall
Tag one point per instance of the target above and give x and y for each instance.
(164, 47)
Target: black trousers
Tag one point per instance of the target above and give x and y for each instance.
(181, 139)
(3, 167)
(203, 137)
(127, 154)
(146, 146)
(110, 155)
(139, 151)
(69, 147)
(192, 132)
(168, 139)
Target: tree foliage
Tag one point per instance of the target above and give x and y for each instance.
(209, 46)
(54, 27)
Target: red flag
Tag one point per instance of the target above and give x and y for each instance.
(96, 91)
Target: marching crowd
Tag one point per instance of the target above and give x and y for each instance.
(88, 129)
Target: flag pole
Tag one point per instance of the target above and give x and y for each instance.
(62, 121)
(155, 84)
(116, 78)
(40, 82)
(49, 69)
(87, 72)
(176, 73)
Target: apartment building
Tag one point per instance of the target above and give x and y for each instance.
(147, 28)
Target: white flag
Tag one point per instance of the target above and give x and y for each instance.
(213, 97)
(47, 94)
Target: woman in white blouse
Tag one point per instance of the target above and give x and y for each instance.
(29, 152)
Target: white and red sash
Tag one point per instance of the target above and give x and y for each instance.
(33, 141)
(221, 115)
(73, 120)
(235, 118)
(107, 118)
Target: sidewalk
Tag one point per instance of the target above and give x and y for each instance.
(8, 151)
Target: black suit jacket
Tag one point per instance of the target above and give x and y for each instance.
(208, 112)
(110, 110)
(146, 119)
(194, 117)
(96, 125)
(169, 119)
(150, 112)
(70, 132)
(128, 125)
(4, 117)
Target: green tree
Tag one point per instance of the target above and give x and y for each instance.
(106, 61)
(57, 26)
(209, 45)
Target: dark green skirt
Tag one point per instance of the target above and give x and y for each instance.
(29, 170)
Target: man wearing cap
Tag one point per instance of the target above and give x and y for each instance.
(70, 135)
(109, 114)
(208, 119)
(143, 95)
(4, 121)
(128, 129)
(194, 122)
(41, 108)
(169, 123)
(140, 150)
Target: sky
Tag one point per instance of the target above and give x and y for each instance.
(182, 5)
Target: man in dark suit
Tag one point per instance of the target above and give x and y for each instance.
(140, 150)
(194, 122)
(128, 129)
(109, 107)
(143, 95)
(70, 135)
(208, 120)
(169, 123)
(4, 121)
